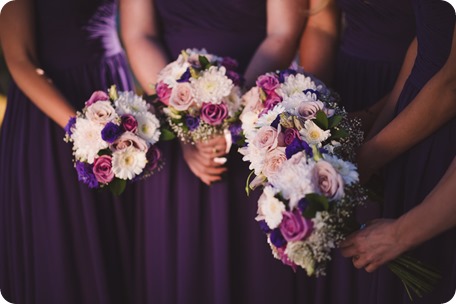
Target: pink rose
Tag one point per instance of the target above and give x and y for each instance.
(126, 140)
(273, 161)
(328, 181)
(129, 123)
(163, 92)
(252, 102)
(308, 110)
(284, 258)
(267, 138)
(294, 227)
(268, 82)
(290, 135)
(181, 97)
(96, 96)
(102, 169)
(214, 114)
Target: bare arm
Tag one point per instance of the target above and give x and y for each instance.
(285, 22)
(141, 37)
(18, 43)
(384, 240)
(319, 40)
(414, 123)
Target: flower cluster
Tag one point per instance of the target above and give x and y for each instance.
(296, 137)
(113, 140)
(201, 93)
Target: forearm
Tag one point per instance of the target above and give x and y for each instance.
(41, 91)
(146, 57)
(436, 214)
(319, 41)
(276, 52)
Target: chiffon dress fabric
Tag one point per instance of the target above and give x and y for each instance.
(61, 242)
(410, 177)
(202, 244)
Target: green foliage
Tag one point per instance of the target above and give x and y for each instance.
(317, 203)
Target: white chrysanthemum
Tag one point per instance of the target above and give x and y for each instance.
(212, 86)
(101, 112)
(128, 163)
(148, 127)
(294, 181)
(268, 118)
(255, 156)
(173, 72)
(292, 103)
(300, 254)
(87, 141)
(249, 120)
(270, 209)
(345, 168)
(295, 84)
(234, 101)
(130, 103)
(312, 133)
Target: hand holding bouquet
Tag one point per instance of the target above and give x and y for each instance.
(113, 140)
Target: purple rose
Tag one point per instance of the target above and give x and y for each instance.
(192, 122)
(298, 145)
(294, 227)
(277, 238)
(214, 114)
(129, 123)
(229, 63)
(237, 79)
(69, 126)
(271, 101)
(111, 132)
(268, 82)
(96, 96)
(285, 73)
(153, 158)
(163, 92)
(102, 169)
(290, 135)
(85, 174)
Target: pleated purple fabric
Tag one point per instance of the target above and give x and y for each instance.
(61, 242)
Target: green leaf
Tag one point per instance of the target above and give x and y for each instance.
(338, 133)
(316, 203)
(334, 121)
(205, 64)
(167, 135)
(117, 186)
(321, 120)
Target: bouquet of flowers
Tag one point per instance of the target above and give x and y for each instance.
(299, 144)
(113, 140)
(201, 93)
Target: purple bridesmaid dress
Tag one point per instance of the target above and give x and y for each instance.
(374, 42)
(202, 244)
(61, 242)
(410, 177)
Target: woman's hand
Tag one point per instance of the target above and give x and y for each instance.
(374, 245)
(200, 159)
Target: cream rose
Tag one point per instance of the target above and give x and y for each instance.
(126, 140)
(101, 112)
(328, 181)
(181, 96)
(273, 161)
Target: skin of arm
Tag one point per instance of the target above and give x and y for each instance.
(383, 240)
(141, 37)
(319, 40)
(18, 44)
(414, 123)
(285, 21)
